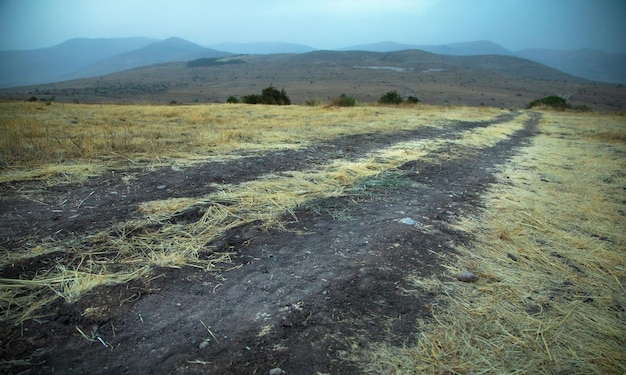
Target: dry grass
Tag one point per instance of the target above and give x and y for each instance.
(38, 141)
(549, 249)
(130, 250)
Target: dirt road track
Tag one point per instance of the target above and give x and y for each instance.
(294, 300)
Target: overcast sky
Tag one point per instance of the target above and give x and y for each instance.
(321, 24)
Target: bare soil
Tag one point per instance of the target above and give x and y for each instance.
(295, 300)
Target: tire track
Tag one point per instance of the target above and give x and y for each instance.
(71, 210)
(298, 299)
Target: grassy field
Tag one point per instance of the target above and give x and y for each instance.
(548, 244)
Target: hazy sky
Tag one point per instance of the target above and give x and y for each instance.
(322, 24)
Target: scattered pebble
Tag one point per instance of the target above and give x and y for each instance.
(466, 277)
(276, 371)
(161, 187)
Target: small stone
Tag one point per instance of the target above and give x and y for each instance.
(276, 371)
(467, 277)
(204, 344)
(161, 187)
(408, 221)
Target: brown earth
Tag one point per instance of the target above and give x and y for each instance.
(295, 300)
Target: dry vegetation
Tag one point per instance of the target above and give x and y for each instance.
(77, 141)
(548, 245)
(549, 249)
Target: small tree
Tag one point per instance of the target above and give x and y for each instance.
(390, 97)
(232, 99)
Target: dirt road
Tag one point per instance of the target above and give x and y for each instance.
(295, 300)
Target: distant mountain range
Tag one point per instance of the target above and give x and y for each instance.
(81, 58)
(590, 64)
(262, 48)
(482, 47)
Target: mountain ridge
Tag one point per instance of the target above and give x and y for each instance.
(82, 57)
(480, 47)
(171, 49)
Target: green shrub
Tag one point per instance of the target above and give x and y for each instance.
(272, 96)
(343, 101)
(412, 99)
(269, 95)
(252, 99)
(553, 101)
(232, 99)
(390, 97)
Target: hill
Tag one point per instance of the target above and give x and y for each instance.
(172, 49)
(61, 62)
(588, 63)
(482, 47)
(80, 58)
(489, 80)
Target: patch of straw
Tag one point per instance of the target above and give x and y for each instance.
(549, 250)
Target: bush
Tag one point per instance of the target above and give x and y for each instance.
(272, 96)
(269, 95)
(252, 99)
(412, 99)
(390, 97)
(232, 99)
(344, 101)
(553, 101)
